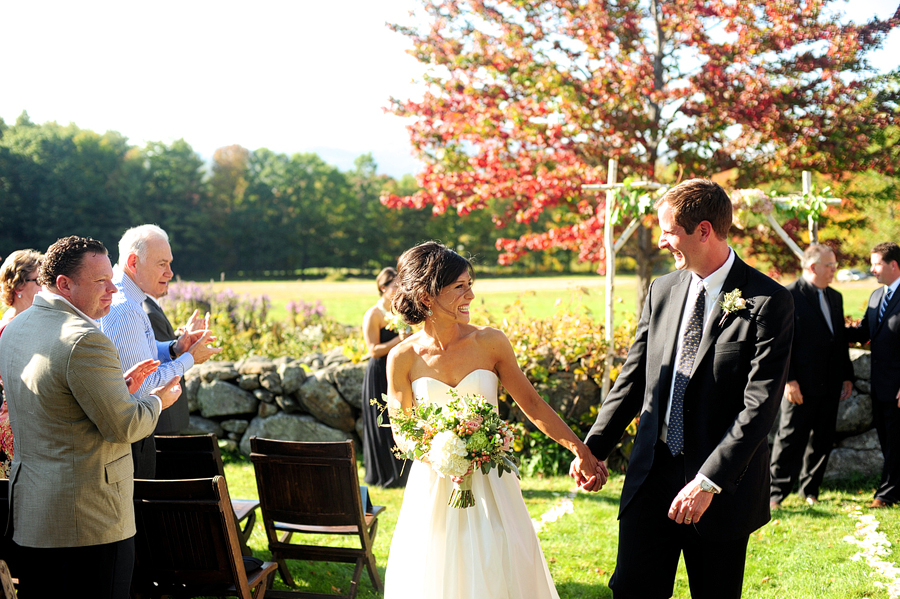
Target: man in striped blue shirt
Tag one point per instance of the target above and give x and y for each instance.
(145, 267)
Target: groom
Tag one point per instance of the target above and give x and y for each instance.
(707, 381)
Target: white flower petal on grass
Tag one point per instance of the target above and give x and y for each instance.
(560, 508)
(874, 546)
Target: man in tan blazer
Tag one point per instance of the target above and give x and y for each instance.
(73, 419)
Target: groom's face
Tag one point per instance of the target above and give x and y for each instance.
(673, 238)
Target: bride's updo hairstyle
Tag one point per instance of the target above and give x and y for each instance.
(423, 271)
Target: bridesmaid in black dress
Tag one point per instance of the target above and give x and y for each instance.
(382, 468)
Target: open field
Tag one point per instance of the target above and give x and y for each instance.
(539, 297)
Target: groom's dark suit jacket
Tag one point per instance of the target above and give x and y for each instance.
(730, 402)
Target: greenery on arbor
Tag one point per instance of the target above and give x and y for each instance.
(526, 101)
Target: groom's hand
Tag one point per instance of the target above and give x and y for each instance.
(690, 503)
(586, 477)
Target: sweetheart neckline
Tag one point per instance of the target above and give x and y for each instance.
(460, 381)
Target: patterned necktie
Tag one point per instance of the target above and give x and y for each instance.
(675, 430)
(884, 303)
(826, 311)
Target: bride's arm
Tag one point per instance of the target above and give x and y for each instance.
(400, 393)
(537, 410)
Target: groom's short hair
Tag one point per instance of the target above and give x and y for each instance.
(698, 200)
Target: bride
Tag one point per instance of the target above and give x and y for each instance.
(490, 550)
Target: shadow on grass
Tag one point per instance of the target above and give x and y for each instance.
(580, 590)
(552, 495)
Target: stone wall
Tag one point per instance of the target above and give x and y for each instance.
(276, 399)
(280, 399)
(857, 450)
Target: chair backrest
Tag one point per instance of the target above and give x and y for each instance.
(193, 456)
(313, 484)
(186, 534)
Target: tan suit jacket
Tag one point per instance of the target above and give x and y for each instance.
(71, 480)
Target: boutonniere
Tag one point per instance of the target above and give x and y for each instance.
(732, 303)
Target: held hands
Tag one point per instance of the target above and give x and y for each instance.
(590, 474)
(169, 392)
(135, 375)
(846, 390)
(690, 503)
(792, 393)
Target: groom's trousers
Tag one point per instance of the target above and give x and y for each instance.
(650, 543)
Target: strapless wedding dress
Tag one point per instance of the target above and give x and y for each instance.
(487, 551)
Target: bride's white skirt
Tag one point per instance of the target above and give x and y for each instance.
(487, 551)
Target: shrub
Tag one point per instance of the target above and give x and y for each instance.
(241, 324)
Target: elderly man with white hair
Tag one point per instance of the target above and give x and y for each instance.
(145, 268)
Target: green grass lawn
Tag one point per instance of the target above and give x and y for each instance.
(800, 554)
(539, 297)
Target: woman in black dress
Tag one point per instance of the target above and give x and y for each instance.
(382, 468)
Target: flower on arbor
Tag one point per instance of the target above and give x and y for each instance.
(749, 201)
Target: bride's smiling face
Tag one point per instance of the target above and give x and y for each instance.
(454, 299)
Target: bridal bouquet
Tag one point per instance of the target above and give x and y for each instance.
(465, 434)
(395, 322)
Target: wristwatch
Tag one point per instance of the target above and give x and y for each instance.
(707, 486)
(172, 349)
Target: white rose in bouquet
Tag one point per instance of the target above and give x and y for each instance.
(448, 454)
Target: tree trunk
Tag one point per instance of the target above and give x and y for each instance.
(646, 255)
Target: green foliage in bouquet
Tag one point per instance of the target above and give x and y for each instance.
(463, 434)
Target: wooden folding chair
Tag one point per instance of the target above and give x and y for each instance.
(187, 542)
(6, 582)
(313, 488)
(198, 456)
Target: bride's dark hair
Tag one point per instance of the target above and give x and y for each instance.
(423, 271)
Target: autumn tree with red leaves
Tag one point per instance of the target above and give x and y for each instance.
(526, 101)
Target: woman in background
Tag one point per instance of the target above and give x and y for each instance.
(382, 468)
(18, 286)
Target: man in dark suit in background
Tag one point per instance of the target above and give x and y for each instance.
(175, 419)
(881, 328)
(706, 373)
(819, 376)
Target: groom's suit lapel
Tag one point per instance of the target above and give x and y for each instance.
(736, 278)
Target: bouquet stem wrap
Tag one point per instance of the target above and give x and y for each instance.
(462, 496)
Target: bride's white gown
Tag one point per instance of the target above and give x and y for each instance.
(487, 551)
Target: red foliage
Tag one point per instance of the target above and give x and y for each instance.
(526, 101)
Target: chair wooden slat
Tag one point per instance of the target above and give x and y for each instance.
(187, 541)
(313, 488)
(198, 456)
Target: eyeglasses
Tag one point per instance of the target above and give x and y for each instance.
(31, 280)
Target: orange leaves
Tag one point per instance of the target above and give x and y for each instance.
(528, 100)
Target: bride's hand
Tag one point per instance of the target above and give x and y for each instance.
(589, 473)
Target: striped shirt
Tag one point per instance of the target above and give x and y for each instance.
(128, 327)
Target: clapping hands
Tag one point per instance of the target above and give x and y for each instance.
(135, 375)
(197, 339)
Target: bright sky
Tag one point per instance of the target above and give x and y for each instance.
(289, 75)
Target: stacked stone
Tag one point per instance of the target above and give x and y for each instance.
(315, 398)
